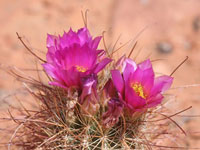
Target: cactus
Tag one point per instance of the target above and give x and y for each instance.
(86, 105)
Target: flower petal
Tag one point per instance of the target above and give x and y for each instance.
(129, 67)
(135, 77)
(145, 64)
(84, 36)
(50, 70)
(110, 89)
(161, 84)
(77, 55)
(111, 116)
(71, 77)
(69, 39)
(100, 52)
(133, 99)
(147, 79)
(88, 86)
(89, 97)
(102, 64)
(118, 81)
(95, 42)
(120, 61)
(155, 100)
(51, 40)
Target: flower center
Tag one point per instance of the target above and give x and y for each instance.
(81, 68)
(138, 88)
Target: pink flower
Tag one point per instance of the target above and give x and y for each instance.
(137, 86)
(72, 57)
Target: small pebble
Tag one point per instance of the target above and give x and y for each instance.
(164, 47)
(196, 24)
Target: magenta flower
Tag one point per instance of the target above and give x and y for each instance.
(137, 86)
(72, 57)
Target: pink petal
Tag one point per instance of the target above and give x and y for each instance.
(88, 86)
(118, 81)
(50, 54)
(145, 65)
(69, 39)
(147, 79)
(143, 77)
(95, 42)
(86, 56)
(83, 56)
(50, 70)
(100, 52)
(84, 35)
(70, 77)
(51, 40)
(133, 99)
(120, 62)
(110, 90)
(135, 77)
(102, 64)
(154, 101)
(161, 84)
(129, 67)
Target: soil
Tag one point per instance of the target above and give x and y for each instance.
(167, 30)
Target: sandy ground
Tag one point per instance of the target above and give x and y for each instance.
(172, 32)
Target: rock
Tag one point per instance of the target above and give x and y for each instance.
(164, 47)
(196, 24)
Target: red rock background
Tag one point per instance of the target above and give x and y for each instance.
(174, 26)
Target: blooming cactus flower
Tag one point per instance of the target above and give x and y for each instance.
(137, 85)
(72, 57)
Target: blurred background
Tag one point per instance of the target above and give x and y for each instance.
(165, 29)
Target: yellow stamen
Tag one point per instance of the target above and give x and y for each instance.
(81, 69)
(138, 88)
